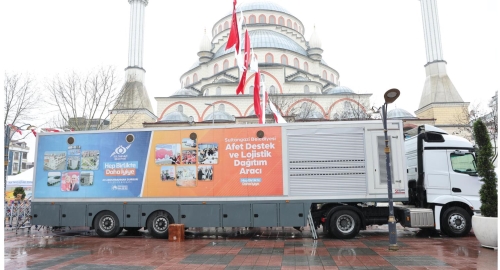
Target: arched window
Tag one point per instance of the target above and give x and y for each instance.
(220, 28)
(281, 21)
(188, 81)
(284, 60)
(252, 18)
(262, 18)
(218, 91)
(306, 66)
(295, 26)
(306, 89)
(180, 108)
(195, 78)
(272, 19)
(262, 77)
(324, 75)
(296, 63)
(207, 92)
(222, 107)
(226, 25)
(269, 58)
(272, 89)
(225, 65)
(289, 23)
(331, 78)
(216, 68)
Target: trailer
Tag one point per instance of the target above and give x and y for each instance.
(329, 174)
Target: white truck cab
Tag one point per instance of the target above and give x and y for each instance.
(442, 175)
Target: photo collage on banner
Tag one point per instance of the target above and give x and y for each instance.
(72, 169)
(187, 162)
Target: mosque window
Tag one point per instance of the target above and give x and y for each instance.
(296, 63)
(295, 26)
(281, 21)
(262, 77)
(306, 89)
(188, 81)
(218, 91)
(252, 19)
(225, 65)
(195, 77)
(207, 92)
(324, 75)
(289, 23)
(284, 60)
(269, 58)
(262, 18)
(222, 108)
(180, 108)
(306, 66)
(220, 28)
(216, 68)
(272, 89)
(226, 25)
(272, 19)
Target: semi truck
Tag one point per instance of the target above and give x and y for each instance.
(323, 174)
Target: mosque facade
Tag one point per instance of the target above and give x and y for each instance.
(301, 84)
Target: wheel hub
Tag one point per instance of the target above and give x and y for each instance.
(107, 224)
(161, 224)
(457, 222)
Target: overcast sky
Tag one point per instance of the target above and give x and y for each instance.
(374, 45)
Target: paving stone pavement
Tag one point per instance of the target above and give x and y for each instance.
(241, 249)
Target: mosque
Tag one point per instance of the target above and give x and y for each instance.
(301, 84)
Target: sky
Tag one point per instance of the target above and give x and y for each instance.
(374, 45)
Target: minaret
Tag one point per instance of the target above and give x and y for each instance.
(133, 107)
(440, 100)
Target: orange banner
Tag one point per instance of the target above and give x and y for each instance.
(215, 163)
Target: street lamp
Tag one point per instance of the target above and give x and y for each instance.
(8, 135)
(213, 111)
(390, 96)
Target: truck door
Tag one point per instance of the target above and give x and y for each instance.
(463, 175)
(379, 162)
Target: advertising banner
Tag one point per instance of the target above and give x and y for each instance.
(226, 162)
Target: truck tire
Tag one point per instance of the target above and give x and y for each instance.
(158, 224)
(344, 224)
(456, 222)
(107, 225)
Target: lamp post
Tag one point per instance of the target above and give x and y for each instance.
(390, 96)
(8, 135)
(213, 111)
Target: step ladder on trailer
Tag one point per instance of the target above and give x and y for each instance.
(311, 225)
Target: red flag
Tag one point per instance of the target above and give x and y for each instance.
(234, 35)
(241, 85)
(34, 132)
(15, 129)
(256, 97)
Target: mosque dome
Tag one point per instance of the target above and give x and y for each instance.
(185, 92)
(175, 117)
(266, 39)
(219, 115)
(339, 90)
(314, 41)
(205, 44)
(399, 114)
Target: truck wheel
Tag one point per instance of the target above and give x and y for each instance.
(455, 222)
(344, 224)
(158, 224)
(106, 224)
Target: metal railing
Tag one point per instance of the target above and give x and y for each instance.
(17, 214)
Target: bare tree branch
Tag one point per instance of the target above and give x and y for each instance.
(21, 98)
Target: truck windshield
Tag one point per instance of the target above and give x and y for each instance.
(463, 163)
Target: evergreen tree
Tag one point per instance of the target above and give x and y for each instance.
(19, 190)
(485, 169)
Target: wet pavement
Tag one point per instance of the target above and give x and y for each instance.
(232, 249)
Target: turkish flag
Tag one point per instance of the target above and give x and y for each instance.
(234, 35)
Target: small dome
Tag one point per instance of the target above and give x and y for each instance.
(300, 79)
(311, 115)
(219, 115)
(205, 44)
(175, 117)
(314, 41)
(399, 114)
(183, 92)
(339, 90)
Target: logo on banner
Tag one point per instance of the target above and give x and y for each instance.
(119, 153)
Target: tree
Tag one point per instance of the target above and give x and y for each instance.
(488, 192)
(22, 97)
(352, 109)
(83, 101)
(19, 190)
(288, 106)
